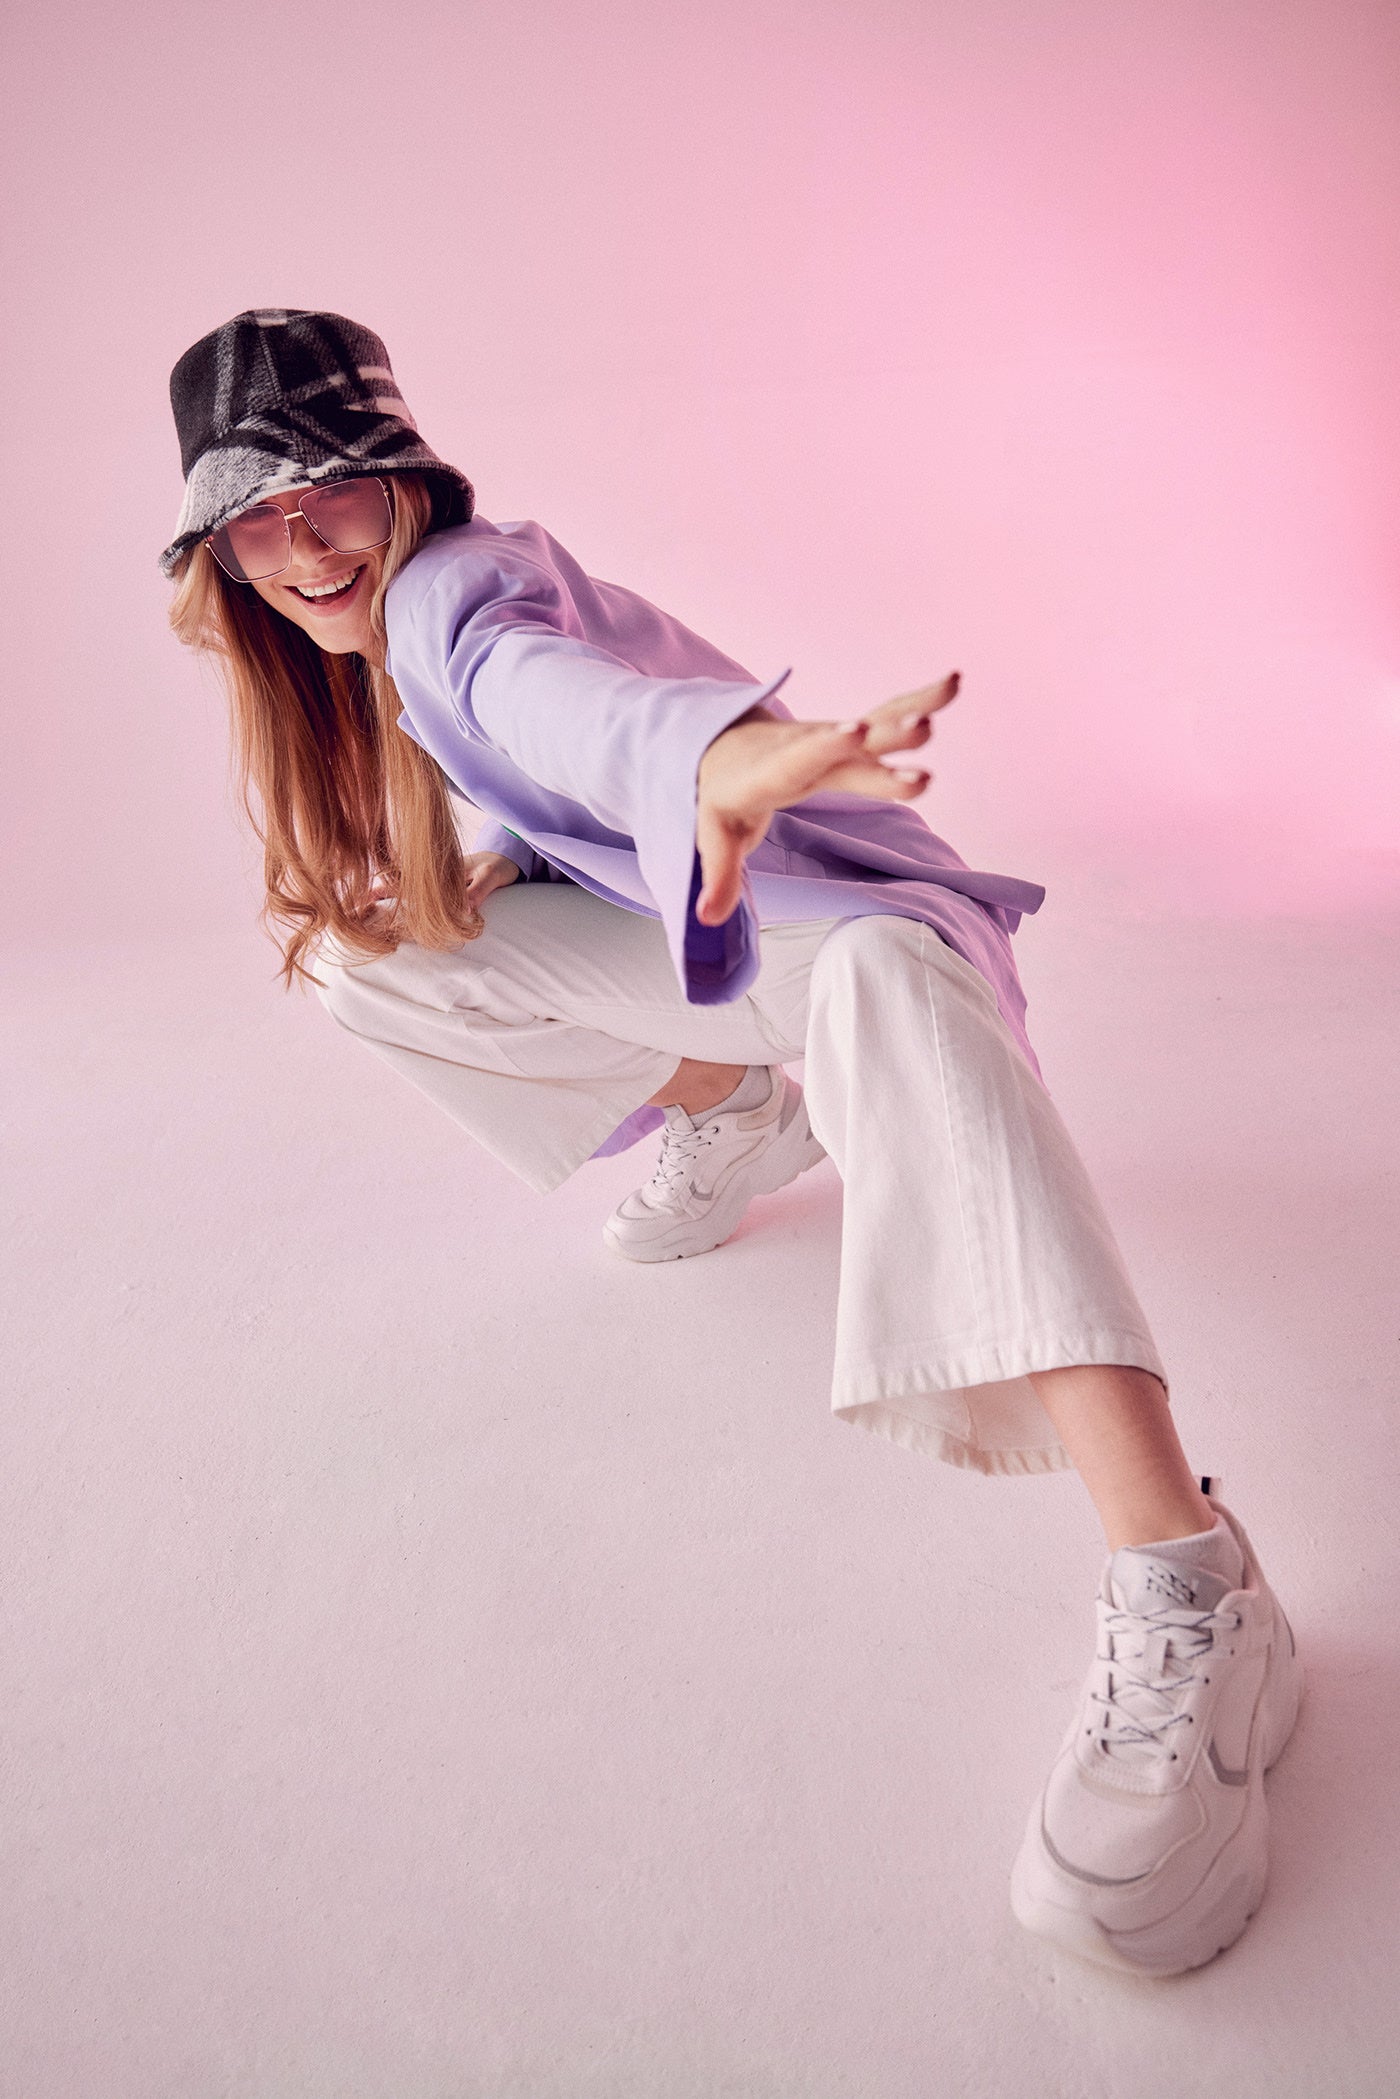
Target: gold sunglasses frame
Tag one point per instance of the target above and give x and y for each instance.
(287, 516)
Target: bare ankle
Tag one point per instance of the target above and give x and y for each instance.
(1116, 1425)
(696, 1087)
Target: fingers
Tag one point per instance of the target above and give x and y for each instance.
(488, 871)
(799, 764)
(928, 697)
(484, 882)
(754, 768)
(830, 761)
(714, 906)
(880, 783)
(903, 724)
(721, 889)
(845, 761)
(721, 846)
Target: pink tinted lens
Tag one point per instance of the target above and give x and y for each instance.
(349, 515)
(253, 545)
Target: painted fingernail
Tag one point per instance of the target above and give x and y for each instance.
(912, 721)
(851, 728)
(911, 777)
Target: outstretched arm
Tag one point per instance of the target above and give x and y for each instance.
(567, 741)
(758, 766)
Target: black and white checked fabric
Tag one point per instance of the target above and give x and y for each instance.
(277, 398)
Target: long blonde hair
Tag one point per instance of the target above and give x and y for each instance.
(354, 817)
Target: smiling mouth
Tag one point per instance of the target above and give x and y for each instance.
(328, 593)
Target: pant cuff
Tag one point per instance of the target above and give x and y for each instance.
(976, 1408)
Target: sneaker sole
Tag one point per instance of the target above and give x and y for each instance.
(1210, 1919)
(792, 1153)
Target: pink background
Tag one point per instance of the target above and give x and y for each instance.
(439, 1659)
(1057, 342)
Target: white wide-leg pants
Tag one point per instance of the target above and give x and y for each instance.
(974, 1249)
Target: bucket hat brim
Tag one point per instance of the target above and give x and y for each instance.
(279, 399)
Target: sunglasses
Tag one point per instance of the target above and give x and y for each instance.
(350, 517)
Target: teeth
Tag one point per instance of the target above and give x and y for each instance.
(324, 590)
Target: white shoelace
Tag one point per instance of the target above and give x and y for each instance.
(1138, 1712)
(679, 1151)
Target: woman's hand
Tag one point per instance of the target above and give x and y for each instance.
(758, 766)
(488, 871)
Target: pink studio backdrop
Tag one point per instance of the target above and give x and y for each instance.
(1056, 341)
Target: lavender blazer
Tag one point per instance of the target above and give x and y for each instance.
(574, 714)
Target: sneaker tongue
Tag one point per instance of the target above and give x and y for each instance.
(1141, 1581)
(1149, 1661)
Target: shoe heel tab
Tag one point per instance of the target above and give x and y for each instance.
(1253, 1578)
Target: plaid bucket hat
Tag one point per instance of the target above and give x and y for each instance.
(277, 398)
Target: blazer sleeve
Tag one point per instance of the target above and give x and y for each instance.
(517, 674)
(495, 838)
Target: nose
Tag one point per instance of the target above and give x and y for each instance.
(306, 546)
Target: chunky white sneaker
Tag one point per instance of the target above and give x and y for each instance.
(708, 1172)
(1148, 1849)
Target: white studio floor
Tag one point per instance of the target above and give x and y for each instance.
(443, 1662)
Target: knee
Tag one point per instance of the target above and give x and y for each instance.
(354, 992)
(338, 989)
(882, 962)
(373, 995)
(862, 953)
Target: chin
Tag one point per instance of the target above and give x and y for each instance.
(342, 644)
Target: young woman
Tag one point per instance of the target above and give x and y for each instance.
(680, 888)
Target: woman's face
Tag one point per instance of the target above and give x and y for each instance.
(337, 616)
